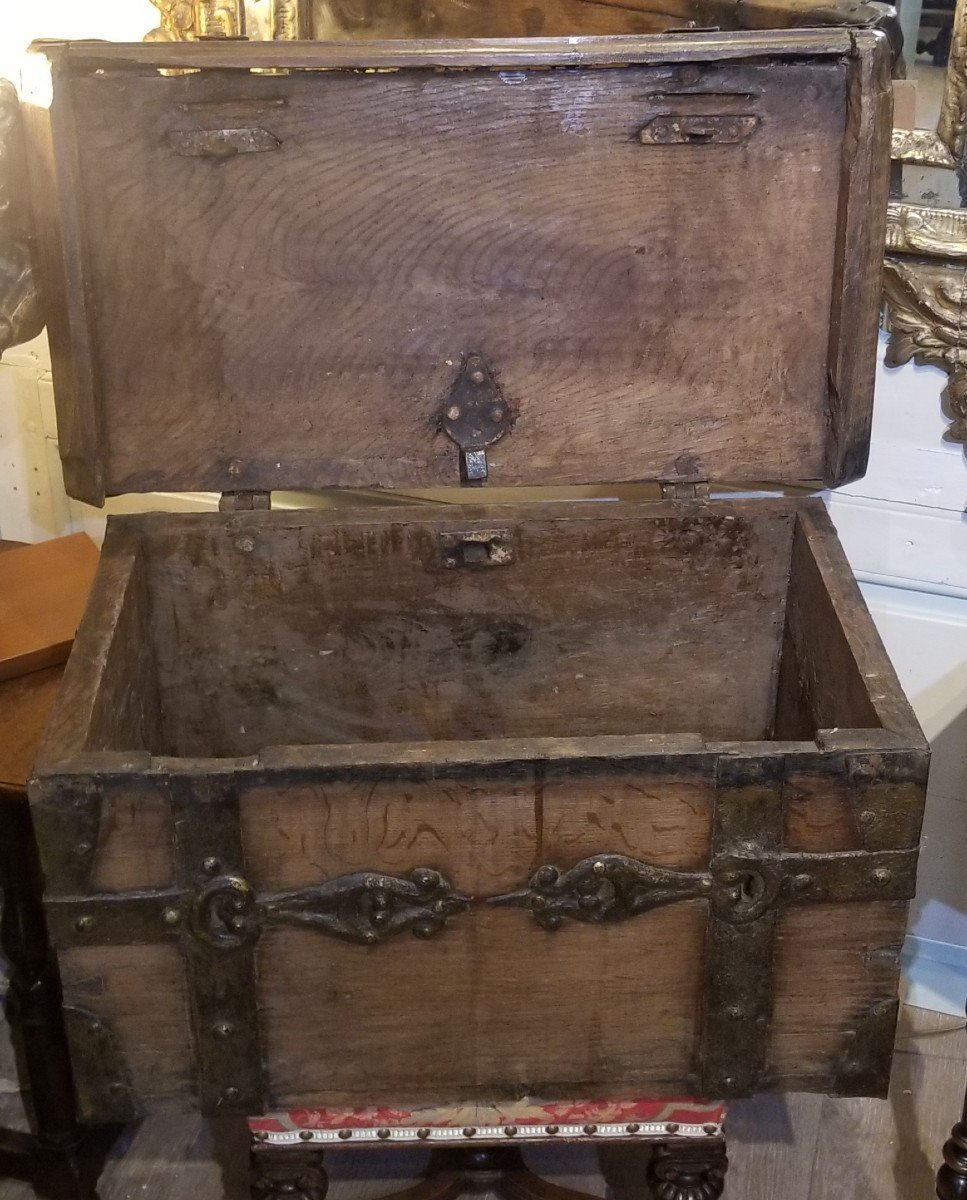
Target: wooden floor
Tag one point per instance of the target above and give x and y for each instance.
(781, 1148)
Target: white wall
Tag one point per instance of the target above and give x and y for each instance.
(905, 533)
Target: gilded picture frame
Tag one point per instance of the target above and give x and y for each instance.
(925, 268)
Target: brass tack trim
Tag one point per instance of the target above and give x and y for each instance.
(345, 1134)
(711, 1130)
(382, 1134)
(551, 1129)
(672, 1127)
(469, 1131)
(305, 1135)
(510, 1130)
(423, 1134)
(634, 1127)
(590, 1130)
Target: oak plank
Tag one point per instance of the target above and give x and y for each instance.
(476, 1012)
(329, 633)
(314, 345)
(862, 229)
(43, 590)
(443, 52)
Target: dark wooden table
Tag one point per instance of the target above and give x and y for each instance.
(49, 1156)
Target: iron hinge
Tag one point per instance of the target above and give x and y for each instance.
(244, 501)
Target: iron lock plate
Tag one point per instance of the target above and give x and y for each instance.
(474, 415)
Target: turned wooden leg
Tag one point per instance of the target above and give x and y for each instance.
(279, 1172)
(952, 1176)
(693, 1170)
(626, 1170)
(36, 1021)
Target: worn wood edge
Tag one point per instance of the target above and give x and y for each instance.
(56, 196)
(74, 708)
(455, 52)
(892, 708)
(451, 516)
(861, 232)
(657, 754)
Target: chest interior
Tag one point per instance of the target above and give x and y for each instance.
(573, 620)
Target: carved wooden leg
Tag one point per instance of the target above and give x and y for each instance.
(626, 1169)
(693, 1170)
(952, 1176)
(34, 1013)
(289, 1172)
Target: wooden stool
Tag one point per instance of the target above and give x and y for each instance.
(674, 1147)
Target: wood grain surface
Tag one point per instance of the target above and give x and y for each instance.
(495, 1006)
(833, 962)
(43, 590)
(308, 306)
(141, 994)
(25, 705)
(606, 621)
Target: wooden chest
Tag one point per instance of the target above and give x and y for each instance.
(633, 768)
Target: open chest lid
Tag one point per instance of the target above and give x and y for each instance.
(550, 261)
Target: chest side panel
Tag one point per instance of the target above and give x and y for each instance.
(285, 272)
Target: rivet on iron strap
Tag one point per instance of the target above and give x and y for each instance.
(220, 968)
(746, 839)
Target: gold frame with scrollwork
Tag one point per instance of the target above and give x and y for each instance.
(925, 270)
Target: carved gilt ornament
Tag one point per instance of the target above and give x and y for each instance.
(926, 249)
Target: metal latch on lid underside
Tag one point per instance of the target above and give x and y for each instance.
(474, 415)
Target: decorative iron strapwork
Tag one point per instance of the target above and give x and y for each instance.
(365, 908)
(368, 907)
(608, 888)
